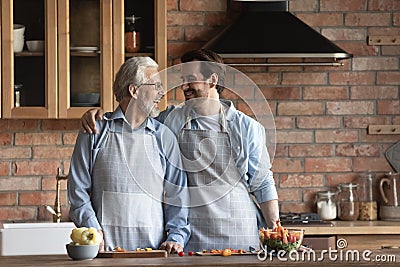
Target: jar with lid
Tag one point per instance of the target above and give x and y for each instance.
(132, 36)
(18, 94)
(368, 206)
(348, 202)
(326, 205)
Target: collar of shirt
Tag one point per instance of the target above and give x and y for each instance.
(118, 115)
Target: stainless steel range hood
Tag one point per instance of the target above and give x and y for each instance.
(266, 29)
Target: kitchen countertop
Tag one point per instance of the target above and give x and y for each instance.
(173, 260)
(352, 228)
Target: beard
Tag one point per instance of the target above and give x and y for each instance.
(149, 108)
(191, 93)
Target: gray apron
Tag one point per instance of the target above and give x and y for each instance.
(222, 214)
(127, 200)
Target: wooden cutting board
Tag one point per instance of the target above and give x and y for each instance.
(133, 254)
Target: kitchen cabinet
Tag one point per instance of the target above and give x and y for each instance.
(84, 48)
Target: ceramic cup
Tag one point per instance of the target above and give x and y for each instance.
(19, 38)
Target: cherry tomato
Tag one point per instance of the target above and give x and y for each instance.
(181, 254)
(190, 253)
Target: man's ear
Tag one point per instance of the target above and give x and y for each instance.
(214, 79)
(132, 91)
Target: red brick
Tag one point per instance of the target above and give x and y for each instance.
(303, 5)
(362, 122)
(327, 164)
(50, 183)
(353, 107)
(15, 153)
(203, 5)
(17, 213)
(199, 33)
(281, 165)
(304, 78)
(281, 151)
(289, 195)
(396, 120)
(311, 150)
(184, 19)
(69, 138)
(36, 198)
(257, 108)
(284, 122)
(23, 168)
(390, 50)
(338, 5)
(257, 78)
(175, 33)
(351, 78)
(172, 5)
(336, 136)
(281, 93)
(330, 19)
(174, 50)
(5, 139)
(383, 5)
(18, 125)
(378, 138)
(300, 108)
(19, 183)
(383, 30)
(37, 138)
(325, 92)
(389, 107)
(53, 152)
(8, 199)
(4, 168)
(396, 19)
(372, 164)
(294, 137)
(297, 207)
(392, 78)
(374, 92)
(367, 19)
(333, 179)
(355, 150)
(61, 125)
(345, 34)
(301, 180)
(312, 122)
(374, 63)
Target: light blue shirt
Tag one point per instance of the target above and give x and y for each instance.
(84, 157)
(248, 142)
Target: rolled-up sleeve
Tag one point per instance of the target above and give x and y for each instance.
(176, 192)
(80, 183)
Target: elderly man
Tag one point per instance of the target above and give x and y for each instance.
(127, 180)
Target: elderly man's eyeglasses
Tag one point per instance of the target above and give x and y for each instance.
(158, 86)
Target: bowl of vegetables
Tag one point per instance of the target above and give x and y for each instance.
(281, 238)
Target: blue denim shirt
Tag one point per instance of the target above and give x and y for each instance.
(248, 141)
(84, 157)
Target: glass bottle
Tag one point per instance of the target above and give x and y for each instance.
(368, 206)
(326, 205)
(348, 202)
(132, 37)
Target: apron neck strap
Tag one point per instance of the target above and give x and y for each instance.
(222, 119)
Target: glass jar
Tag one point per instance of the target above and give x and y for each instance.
(368, 206)
(326, 205)
(18, 94)
(132, 36)
(348, 202)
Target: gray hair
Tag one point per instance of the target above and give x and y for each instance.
(131, 72)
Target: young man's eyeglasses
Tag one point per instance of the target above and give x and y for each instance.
(158, 86)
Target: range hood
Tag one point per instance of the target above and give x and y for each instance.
(266, 29)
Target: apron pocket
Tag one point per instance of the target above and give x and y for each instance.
(126, 209)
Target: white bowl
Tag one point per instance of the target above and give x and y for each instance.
(35, 45)
(82, 252)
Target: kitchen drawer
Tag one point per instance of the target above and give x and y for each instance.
(362, 242)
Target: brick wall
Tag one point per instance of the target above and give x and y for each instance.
(321, 113)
